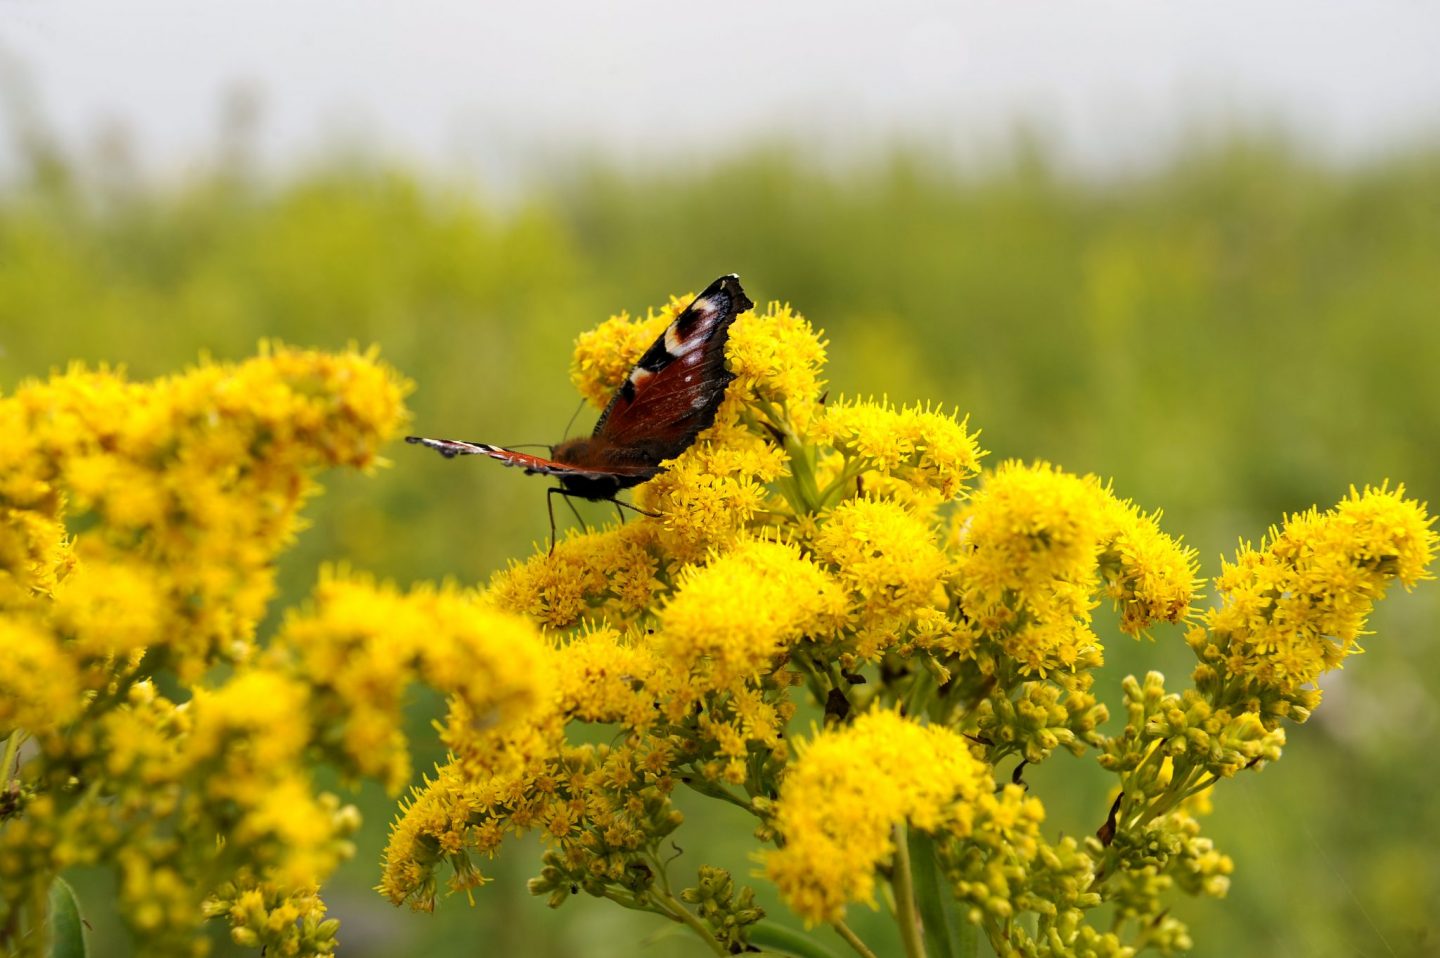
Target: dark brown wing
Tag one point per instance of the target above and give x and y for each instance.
(672, 393)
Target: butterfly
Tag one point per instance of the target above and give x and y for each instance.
(666, 400)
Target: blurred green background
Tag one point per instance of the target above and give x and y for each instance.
(1238, 333)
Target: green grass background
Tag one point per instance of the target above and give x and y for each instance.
(1239, 333)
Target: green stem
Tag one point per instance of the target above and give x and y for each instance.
(853, 940)
(904, 884)
(697, 782)
(836, 490)
(12, 748)
(1144, 763)
(664, 905)
(687, 917)
(1176, 794)
(813, 676)
(803, 471)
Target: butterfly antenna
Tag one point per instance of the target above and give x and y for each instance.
(573, 416)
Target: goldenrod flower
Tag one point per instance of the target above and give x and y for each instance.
(928, 450)
(1294, 608)
(777, 358)
(730, 619)
(804, 556)
(850, 788)
(111, 606)
(609, 576)
(1149, 575)
(604, 677)
(363, 643)
(890, 565)
(604, 355)
(39, 684)
(139, 525)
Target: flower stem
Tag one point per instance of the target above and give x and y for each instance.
(697, 782)
(677, 910)
(853, 940)
(12, 747)
(904, 884)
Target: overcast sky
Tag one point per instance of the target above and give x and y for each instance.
(489, 86)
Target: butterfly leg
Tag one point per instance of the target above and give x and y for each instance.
(550, 495)
(550, 508)
(618, 511)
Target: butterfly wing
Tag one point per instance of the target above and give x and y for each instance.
(673, 392)
(450, 448)
(667, 398)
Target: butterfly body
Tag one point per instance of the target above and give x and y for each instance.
(669, 396)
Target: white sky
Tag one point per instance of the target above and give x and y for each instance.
(491, 87)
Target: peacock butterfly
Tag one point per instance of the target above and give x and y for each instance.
(666, 400)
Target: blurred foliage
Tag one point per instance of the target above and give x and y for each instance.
(1238, 334)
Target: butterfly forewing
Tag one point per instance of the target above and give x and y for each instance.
(672, 393)
(450, 448)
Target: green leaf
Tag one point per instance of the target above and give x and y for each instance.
(932, 899)
(779, 940)
(67, 928)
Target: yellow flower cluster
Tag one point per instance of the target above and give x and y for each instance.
(1035, 545)
(729, 620)
(611, 576)
(851, 789)
(365, 643)
(838, 557)
(927, 451)
(1294, 608)
(833, 557)
(139, 525)
(188, 487)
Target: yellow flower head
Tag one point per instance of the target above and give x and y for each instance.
(932, 452)
(35, 555)
(713, 492)
(732, 618)
(111, 607)
(1028, 527)
(250, 727)
(363, 644)
(39, 684)
(850, 789)
(607, 576)
(777, 358)
(889, 562)
(603, 677)
(1149, 575)
(1294, 608)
